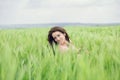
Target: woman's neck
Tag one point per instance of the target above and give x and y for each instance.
(64, 47)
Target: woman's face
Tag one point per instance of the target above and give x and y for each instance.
(59, 37)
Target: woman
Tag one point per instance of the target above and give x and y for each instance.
(58, 36)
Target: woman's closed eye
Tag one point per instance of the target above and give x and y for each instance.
(54, 38)
(58, 35)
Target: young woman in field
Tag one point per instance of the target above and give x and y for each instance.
(59, 37)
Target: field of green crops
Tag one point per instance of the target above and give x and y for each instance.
(26, 55)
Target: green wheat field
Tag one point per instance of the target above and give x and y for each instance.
(26, 55)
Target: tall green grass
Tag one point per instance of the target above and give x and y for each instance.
(25, 55)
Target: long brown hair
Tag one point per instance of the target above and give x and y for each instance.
(54, 29)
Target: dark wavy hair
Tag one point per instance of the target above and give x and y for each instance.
(54, 29)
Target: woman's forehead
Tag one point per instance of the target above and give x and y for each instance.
(57, 32)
